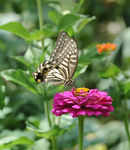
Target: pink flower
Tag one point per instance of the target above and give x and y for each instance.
(82, 101)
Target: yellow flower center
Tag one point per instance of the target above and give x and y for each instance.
(39, 80)
(81, 91)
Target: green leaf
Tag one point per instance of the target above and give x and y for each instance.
(10, 141)
(55, 16)
(89, 55)
(77, 6)
(32, 58)
(127, 88)
(21, 59)
(80, 69)
(111, 70)
(20, 77)
(39, 145)
(47, 31)
(53, 132)
(17, 29)
(83, 21)
(2, 94)
(68, 20)
(5, 112)
(116, 95)
(74, 21)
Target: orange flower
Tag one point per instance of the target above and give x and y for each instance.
(105, 47)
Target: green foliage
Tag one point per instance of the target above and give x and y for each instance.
(32, 58)
(11, 141)
(74, 22)
(90, 55)
(39, 145)
(20, 77)
(19, 57)
(54, 132)
(55, 17)
(127, 88)
(109, 71)
(77, 6)
(2, 94)
(19, 30)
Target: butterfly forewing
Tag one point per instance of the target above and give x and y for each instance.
(68, 62)
(63, 38)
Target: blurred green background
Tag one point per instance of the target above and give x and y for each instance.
(20, 104)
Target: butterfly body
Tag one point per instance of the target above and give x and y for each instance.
(42, 71)
(62, 64)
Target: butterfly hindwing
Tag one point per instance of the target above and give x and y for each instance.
(55, 76)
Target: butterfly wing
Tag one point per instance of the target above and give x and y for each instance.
(63, 38)
(68, 61)
(62, 64)
(66, 65)
(55, 76)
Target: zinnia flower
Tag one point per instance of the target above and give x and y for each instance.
(82, 101)
(105, 47)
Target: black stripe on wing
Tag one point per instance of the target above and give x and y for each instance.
(55, 75)
(68, 62)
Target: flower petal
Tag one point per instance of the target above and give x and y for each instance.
(92, 102)
(76, 106)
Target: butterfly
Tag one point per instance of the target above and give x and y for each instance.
(62, 63)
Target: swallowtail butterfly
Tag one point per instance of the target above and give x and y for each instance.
(62, 64)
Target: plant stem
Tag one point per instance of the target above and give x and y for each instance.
(81, 129)
(46, 106)
(53, 116)
(126, 122)
(39, 6)
(54, 144)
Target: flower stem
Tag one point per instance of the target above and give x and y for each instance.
(39, 6)
(126, 123)
(81, 129)
(46, 106)
(54, 144)
(46, 103)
